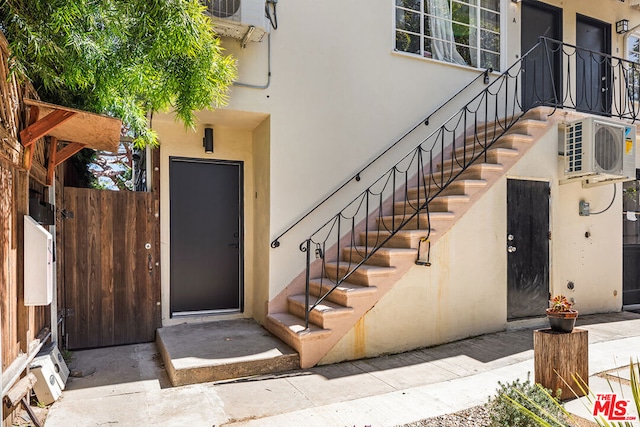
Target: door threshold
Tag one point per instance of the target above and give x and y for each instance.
(631, 307)
(202, 313)
(528, 323)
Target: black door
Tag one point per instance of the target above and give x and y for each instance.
(593, 74)
(205, 236)
(542, 67)
(631, 245)
(527, 248)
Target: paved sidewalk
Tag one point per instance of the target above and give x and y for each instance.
(128, 386)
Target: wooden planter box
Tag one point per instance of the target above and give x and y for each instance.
(560, 355)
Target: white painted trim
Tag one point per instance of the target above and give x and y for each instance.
(504, 5)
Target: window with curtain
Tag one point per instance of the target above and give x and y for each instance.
(465, 32)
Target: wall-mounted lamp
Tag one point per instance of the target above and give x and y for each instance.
(622, 26)
(207, 141)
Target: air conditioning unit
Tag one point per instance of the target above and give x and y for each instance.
(240, 19)
(597, 151)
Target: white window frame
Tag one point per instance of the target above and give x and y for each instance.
(501, 16)
(628, 56)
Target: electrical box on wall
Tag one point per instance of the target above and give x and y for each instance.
(38, 263)
(583, 208)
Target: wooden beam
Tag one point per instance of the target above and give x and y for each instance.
(67, 152)
(32, 415)
(20, 390)
(43, 126)
(24, 314)
(34, 111)
(51, 163)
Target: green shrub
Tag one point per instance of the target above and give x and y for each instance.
(538, 400)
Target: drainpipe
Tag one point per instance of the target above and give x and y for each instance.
(265, 86)
(54, 301)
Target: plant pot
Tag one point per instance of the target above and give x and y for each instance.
(562, 321)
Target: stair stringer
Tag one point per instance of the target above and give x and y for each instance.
(315, 343)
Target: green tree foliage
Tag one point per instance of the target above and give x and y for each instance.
(125, 58)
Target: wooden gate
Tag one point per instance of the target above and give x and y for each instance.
(111, 267)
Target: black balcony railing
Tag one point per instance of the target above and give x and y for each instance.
(552, 74)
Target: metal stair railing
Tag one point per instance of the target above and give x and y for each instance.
(484, 75)
(551, 73)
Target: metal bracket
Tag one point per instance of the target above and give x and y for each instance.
(247, 37)
(66, 214)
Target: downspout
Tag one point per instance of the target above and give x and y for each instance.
(54, 300)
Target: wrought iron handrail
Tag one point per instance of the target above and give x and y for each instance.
(485, 78)
(402, 195)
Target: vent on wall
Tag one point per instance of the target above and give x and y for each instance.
(599, 151)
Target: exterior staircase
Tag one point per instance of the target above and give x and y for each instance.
(352, 299)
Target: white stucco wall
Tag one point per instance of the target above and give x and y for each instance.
(338, 95)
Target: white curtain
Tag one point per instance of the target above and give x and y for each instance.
(442, 44)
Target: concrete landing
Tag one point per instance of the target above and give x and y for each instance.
(215, 351)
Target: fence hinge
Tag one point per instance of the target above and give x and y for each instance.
(66, 214)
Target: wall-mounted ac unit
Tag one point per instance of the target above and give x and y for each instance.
(599, 151)
(241, 19)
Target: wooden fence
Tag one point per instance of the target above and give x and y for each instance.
(19, 324)
(112, 291)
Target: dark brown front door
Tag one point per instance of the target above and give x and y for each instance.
(111, 280)
(206, 236)
(593, 75)
(527, 245)
(542, 68)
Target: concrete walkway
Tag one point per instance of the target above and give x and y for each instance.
(128, 385)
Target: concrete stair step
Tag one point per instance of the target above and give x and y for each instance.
(477, 170)
(491, 131)
(365, 275)
(510, 140)
(422, 221)
(215, 351)
(459, 161)
(493, 154)
(291, 329)
(457, 187)
(402, 238)
(447, 203)
(345, 294)
(322, 315)
(384, 257)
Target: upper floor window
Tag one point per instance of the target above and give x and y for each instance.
(465, 32)
(633, 74)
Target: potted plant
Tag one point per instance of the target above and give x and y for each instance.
(562, 317)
